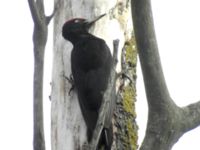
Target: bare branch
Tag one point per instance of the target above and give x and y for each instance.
(155, 86)
(48, 18)
(39, 41)
(191, 115)
(38, 14)
(34, 11)
(166, 121)
(40, 6)
(106, 100)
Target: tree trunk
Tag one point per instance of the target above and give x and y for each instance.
(68, 129)
(166, 121)
(40, 34)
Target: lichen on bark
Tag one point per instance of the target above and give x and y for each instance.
(125, 115)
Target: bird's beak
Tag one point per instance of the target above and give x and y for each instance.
(89, 24)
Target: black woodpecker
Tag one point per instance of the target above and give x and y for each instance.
(91, 63)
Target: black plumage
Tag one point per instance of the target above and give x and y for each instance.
(91, 63)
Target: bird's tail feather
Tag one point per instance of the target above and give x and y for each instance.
(106, 138)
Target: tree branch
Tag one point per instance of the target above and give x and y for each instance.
(106, 102)
(38, 14)
(155, 86)
(39, 41)
(49, 18)
(34, 12)
(191, 115)
(166, 121)
(40, 6)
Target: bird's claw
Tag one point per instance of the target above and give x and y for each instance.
(71, 81)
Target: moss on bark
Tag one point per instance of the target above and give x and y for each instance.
(125, 115)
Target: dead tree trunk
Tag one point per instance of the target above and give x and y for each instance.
(67, 127)
(166, 121)
(39, 41)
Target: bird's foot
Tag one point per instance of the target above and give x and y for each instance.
(71, 81)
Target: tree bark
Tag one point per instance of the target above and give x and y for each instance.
(39, 41)
(166, 121)
(68, 130)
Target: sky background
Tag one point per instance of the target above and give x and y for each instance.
(177, 28)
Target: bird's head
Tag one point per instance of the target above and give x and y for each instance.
(77, 26)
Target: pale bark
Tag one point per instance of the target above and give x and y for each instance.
(68, 130)
(166, 121)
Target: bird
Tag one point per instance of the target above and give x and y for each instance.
(91, 64)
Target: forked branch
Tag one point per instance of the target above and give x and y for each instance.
(192, 116)
(34, 11)
(39, 41)
(166, 121)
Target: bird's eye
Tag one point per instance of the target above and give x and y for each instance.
(76, 20)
